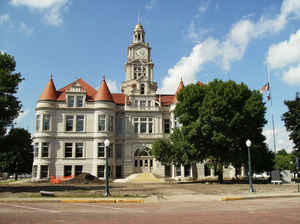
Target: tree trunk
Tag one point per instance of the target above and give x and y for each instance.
(220, 176)
(16, 176)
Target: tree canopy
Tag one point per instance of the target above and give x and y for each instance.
(17, 153)
(291, 120)
(217, 119)
(10, 106)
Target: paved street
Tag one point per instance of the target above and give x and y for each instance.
(283, 210)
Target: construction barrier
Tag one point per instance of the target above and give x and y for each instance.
(59, 179)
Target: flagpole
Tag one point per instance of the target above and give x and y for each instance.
(273, 123)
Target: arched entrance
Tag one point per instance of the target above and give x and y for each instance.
(143, 160)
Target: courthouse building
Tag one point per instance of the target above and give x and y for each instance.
(73, 122)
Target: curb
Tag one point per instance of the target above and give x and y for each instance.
(112, 201)
(106, 201)
(258, 197)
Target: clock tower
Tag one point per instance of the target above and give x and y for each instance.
(139, 67)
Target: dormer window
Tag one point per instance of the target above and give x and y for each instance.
(75, 100)
(70, 101)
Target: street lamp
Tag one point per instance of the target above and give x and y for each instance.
(248, 144)
(106, 144)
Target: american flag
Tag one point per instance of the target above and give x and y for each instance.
(264, 88)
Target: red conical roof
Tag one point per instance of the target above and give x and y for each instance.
(103, 92)
(49, 92)
(179, 88)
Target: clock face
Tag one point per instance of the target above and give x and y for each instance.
(140, 53)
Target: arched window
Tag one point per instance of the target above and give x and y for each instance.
(142, 88)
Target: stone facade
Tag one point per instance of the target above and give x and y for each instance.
(73, 122)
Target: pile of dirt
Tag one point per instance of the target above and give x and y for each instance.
(84, 178)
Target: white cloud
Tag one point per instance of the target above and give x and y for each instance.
(25, 29)
(21, 116)
(51, 9)
(232, 49)
(281, 137)
(112, 85)
(4, 18)
(150, 5)
(285, 53)
(285, 57)
(292, 75)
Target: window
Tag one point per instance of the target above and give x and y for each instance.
(101, 149)
(150, 125)
(143, 103)
(143, 126)
(67, 171)
(100, 171)
(167, 126)
(78, 150)
(141, 163)
(78, 170)
(44, 171)
(38, 121)
(151, 162)
(168, 171)
(207, 170)
(187, 170)
(136, 163)
(68, 150)
(46, 122)
(136, 125)
(34, 171)
(110, 150)
(45, 149)
(70, 101)
(178, 170)
(101, 123)
(118, 171)
(36, 150)
(118, 151)
(79, 101)
(142, 88)
(79, 122)
(69, 123)
(111, 124)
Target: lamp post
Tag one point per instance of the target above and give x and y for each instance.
(107, 193)
(248, 144)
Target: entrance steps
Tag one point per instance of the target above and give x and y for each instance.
(140, 178)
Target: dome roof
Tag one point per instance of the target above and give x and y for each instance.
(139, 27)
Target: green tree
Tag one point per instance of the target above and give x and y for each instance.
(16, 156)
(291, 120)
(217, 119)
(10, 106)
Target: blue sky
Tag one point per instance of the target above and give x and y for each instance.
(195, 39)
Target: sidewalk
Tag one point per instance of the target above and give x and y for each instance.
(109, 200)
(157, 198)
